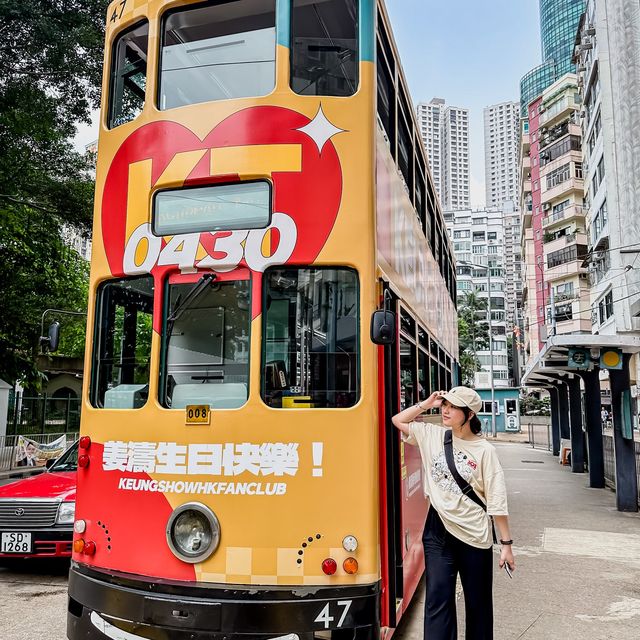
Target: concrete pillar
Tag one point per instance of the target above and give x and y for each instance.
(563, 406)
(624, 447)
(577, 433)
(595, 450)
(555, 420)
(4, 407)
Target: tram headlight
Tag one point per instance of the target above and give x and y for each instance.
(193, 532)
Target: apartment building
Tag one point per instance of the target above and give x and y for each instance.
(445, 134)
(478, 242)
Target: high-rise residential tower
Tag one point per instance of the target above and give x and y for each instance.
(430, 122)
(445, 133)
(501, 130)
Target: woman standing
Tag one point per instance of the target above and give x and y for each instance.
(458, 532)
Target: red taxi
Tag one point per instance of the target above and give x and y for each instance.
(37, 513)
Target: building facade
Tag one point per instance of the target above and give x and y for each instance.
(478, 243)
(501, 129)
(552, 194)
(445, 134)
(608, 58)
(558, 24)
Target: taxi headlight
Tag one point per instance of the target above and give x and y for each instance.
(66, 513)
(193, 532)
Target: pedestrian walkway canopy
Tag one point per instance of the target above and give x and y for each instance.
(563, 363)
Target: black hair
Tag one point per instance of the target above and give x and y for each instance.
(474, 422)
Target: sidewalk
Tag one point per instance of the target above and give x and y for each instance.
(578, 558)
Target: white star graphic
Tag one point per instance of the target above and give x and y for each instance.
(320, 129)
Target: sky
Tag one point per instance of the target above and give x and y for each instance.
(472, 53)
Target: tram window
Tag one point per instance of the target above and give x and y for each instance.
(311, 338)
(324, 47)
(423, 376)
(128, 75)
(407, 323)
(120, 372)
(217, 51)
(205, 347)
(386, 99)
(408, 391)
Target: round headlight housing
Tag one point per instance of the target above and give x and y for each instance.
(193, 532)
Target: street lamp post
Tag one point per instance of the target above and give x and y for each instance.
(494, 433)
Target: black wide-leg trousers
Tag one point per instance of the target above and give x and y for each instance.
(445, 557)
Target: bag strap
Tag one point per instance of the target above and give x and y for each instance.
(465, 487)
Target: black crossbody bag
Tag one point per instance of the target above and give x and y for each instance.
(465, 487)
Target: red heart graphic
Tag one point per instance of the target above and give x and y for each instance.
(310, 197)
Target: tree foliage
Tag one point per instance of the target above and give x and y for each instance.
(473, 334)
(50, 68)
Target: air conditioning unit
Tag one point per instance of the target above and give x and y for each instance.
(541, 109)
(590, 30)
(584, 276)
(546, 206)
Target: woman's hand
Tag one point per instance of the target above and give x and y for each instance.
(506, 555)
(403, 419)
(433, 401)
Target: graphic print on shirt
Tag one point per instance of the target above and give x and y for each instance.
(442, 476)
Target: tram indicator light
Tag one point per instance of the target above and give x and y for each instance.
(85, 442)
(329, 566)
(78, 545)
(83, 461)
(350, 566)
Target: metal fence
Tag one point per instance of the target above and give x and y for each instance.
(539, 435)
(9, 446)
(610, 462)
(42, 414)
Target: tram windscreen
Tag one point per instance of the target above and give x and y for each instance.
(311, 338)
(206, 344)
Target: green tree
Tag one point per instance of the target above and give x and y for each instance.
(50, 68)
(473, 334)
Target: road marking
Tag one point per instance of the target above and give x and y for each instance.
(594, 544)
(624, 609)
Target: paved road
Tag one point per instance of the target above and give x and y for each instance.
(34, 600)
(578, 573)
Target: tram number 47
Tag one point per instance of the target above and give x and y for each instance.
(325, 617)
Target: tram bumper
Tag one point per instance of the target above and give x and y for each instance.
(126, 608)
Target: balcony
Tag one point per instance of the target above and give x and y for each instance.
(555, 243)
(563, 189)
(568, 213)
(558, 110)
(565, 270)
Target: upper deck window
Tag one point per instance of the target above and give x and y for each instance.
(128, 75)
(218, 51)
(120, 372)
(311, 338)
(324, 47)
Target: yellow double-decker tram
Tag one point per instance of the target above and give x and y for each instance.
(270, 281)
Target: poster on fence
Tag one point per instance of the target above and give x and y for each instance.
(30, 453)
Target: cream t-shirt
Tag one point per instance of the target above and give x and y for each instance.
(477, 462)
